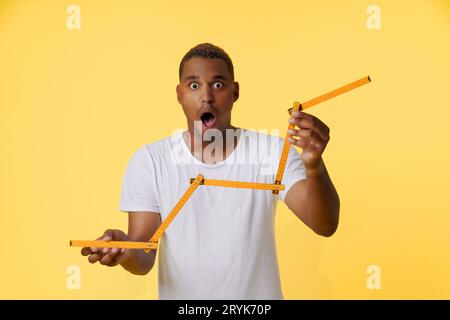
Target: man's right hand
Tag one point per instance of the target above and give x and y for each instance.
(108, 256)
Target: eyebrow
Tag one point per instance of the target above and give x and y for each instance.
(195, 77)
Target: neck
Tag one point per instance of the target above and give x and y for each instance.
(214, 145)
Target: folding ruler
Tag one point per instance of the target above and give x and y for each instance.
(276, 187)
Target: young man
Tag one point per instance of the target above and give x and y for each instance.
(221, 245)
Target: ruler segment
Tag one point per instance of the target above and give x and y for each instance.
(113, 244)
(334, 93)
(285, 152)
(241, 184)
(165, 224)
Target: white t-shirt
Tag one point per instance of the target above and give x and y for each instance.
(221, 245)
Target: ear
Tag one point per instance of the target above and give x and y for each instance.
(236, 91)
(178, 89)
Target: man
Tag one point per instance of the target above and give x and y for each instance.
(222, 244)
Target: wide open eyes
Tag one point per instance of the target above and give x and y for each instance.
(216, 85)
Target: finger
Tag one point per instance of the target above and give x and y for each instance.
(111, 250)
(93, 258)
(85, 251)
(95, 249)
(293, 132)
(323, 129)
(306, 124)
(307, 121)
(107, 235)
(115, 250)
(306, 133)
(309, 144)
(312, 135)
(105, 250)
(108, 259)
(302, 115)
(298, 142)
(302, 123)
(115, 257)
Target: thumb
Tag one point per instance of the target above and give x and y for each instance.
(108, 235)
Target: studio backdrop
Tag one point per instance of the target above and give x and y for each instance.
(84, 84)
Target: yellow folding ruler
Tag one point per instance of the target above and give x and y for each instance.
(200, 180)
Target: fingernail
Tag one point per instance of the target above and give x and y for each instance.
(291, 120)
(105, 250)
(94, 249)
(290, 140)
(295, 113)
(114, 250)
(290, 131)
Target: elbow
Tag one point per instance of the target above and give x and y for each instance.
(330, 228)
(325, 222)
(327, 233)
(140, 272)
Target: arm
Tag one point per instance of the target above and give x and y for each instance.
(314, 200)
(141, 226)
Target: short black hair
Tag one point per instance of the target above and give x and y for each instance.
(207, 50)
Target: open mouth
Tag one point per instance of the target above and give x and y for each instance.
(208, 119)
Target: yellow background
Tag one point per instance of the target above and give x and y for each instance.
(76, 104)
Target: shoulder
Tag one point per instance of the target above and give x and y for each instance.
(158, 148)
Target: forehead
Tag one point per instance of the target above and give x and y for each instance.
(205, 68)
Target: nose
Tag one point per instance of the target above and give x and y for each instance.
(207, 95)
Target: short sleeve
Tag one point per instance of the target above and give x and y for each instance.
(139, 192)
(293, 172)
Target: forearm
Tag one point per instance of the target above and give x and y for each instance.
(138, 262)
(323, 201)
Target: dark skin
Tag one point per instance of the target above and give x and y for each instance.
(206, 85)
